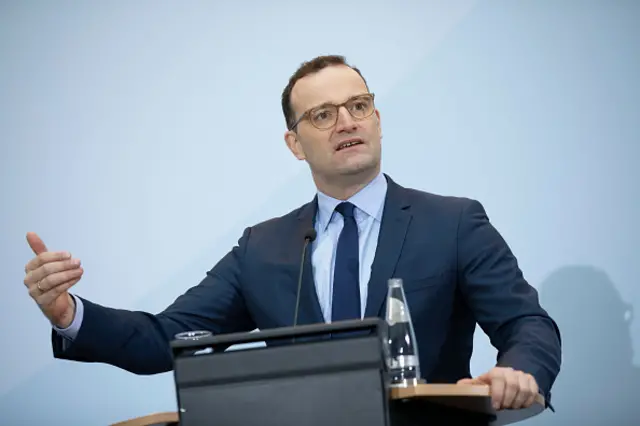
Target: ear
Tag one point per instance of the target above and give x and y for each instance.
(291, 139)
(378, 121)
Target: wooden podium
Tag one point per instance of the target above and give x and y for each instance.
(322, 374)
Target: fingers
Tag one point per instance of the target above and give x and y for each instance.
(512, 389)
(498, 387)
(36, 244)
(49, 274)
(44, 258)
(56, 274)
(534, 390)
(46, 298)
(523, 390)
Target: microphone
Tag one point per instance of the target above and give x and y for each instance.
(309, 236)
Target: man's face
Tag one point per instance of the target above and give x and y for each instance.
(323, 148)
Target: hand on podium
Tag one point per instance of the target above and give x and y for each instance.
(49, 276)
(510, 389)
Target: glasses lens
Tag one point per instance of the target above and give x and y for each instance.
(360, 107)
(324, 117)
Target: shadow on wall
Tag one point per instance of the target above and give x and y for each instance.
(598, 383)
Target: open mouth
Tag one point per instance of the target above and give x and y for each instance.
(348, 144)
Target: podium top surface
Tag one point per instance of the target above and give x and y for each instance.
(445, 389)
(468, 397)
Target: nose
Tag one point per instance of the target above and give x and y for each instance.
(345, 122)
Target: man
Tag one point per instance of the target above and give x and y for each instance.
(456, 268)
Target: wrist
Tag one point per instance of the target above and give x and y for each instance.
(67, 318)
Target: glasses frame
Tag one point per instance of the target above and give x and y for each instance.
(307, 113)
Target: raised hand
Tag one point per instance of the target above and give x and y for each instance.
(49, 276)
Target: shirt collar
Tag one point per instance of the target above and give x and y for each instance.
(369, 199)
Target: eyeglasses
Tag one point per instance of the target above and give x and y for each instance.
(325, 116)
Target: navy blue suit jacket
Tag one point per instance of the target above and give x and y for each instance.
(457, 271)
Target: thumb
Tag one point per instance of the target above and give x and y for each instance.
(36, 243)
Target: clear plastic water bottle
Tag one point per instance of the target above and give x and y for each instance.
(403, 362)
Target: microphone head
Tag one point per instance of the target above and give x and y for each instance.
(310, 235)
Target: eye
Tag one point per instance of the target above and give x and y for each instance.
(322, 115)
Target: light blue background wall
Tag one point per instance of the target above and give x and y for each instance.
(144, 136)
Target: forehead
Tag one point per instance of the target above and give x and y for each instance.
(333, 84)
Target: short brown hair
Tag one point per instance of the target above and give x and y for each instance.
(309, 67)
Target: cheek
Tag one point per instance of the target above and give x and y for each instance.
(375, 127)
(317, 148)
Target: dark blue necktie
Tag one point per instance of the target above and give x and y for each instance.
(346, 275)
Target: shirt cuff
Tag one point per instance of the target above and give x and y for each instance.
(72, 330)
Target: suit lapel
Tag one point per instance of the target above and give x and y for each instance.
(309, 310)
(393, 229)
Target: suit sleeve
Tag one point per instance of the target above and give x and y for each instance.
(505, 306)
(139, 341)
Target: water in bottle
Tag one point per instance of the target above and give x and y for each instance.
(403, 362)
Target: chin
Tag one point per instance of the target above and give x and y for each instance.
(358, 168)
